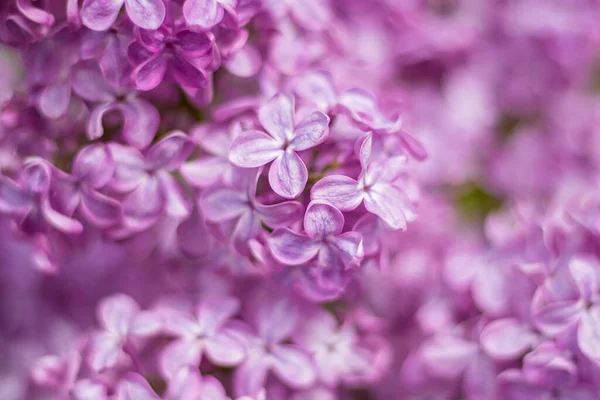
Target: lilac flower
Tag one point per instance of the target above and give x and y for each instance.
(140, 118)
(93, 168)
(288, 174)
(555, 316)
(29, 200)
(205, 14)
(122, 322)
(238, 204)
(375, 186)
(208, 332)
(323, 225)
(183, 54)
(150, 188)
(274, 319)
(100, 15)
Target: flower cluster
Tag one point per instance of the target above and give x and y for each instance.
(309, 199)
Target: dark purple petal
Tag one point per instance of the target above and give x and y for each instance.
(59, 221)
(280, 215)
(114, 62)
(186, 73)
(94, 165)
(170, 152)
(150, 73)
(89, 84)
(277, 117)
(147, 14)
(35, 14)
(140, 122)
(322, 220)
(13, 199)
(253, 149)
(194, 44)
(288, 175)
(339, 190)
(291, 248)
(202, 14)
(100, 15)
(95, 130)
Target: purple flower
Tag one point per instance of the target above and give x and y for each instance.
(323, 238)
(100, 15)
(207, 332)
(122, 322)
(29, 200)
(140, 118)
(288, 174)
(93, 168)
(375, 186)
(150, 188)
(183, 54)
(275, 318)
(205, 14)
(238, 204)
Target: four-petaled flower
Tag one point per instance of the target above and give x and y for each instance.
(288, 174)
(375, 186)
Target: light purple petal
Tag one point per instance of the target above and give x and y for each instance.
(94, 165)
(186, 73)
(246, 228)
(280, 215)
(291, 248)
(150, 73)
(390, 204)
(339, 190)
(311, 131)
(54, 99)
(185, 385)
(276, 317)
(180, 353)
(102, 211)
(147, 14)
(95, 130)
(194, 44)
(100, 15)
(588, 334)
(224, 349)
(59, 221)
(212, 389)
(245, 63)
(316, 87)
(170, 152)
(253, 149)
(104, 351)
(35, 14)
(214, 311)
(176, 203)
(145, 205)
(448, 356)
(116, 313)
(288, 175)
(277, 117)
(202, 14)
(135, 387)
(312, 14)
(557, 317)
(114, 62)
(86, 389)
(193, 237)
(222, 203)
(349, 247)
(146, 323)
(585, 274)
(506, 339)
(141, 120)
(251, 375)
(293, 366)
(368, 226)
(89, 84)
(322, 220)
(204, 172)
(130, 168)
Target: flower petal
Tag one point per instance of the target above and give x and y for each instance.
(194, 44)
(558, 316)
(170, 152)
(100, 15)
(322, 220)
(588, 334)
(316, 87)
(186, 73)
(506, 339)
(280, 215)
(390, 204)
(94, 165)
(145, 205)
(95, 130)
(180, 353)
(89, 84)
(150, 73)
(147, 14)
(277, 117)
(59, 221)
(176, 203)
(584, 272)
(293, 366)
(130, 168)
(222, 203)
(13, 199)
(245, 62)
(224, 350)
(339, 190)
(291, 248)
(54, 99)
(141, 120)
(204, 172)
(114, 61)
(311, 131)
(253, 148)
(246, 228)
(102, 211)
(251, 375)
(288, 175)
(202, 14)
(116, 313)
(135, 387)
(349, 247)
(104, 351)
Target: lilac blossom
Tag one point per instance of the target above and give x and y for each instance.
(287, 174)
